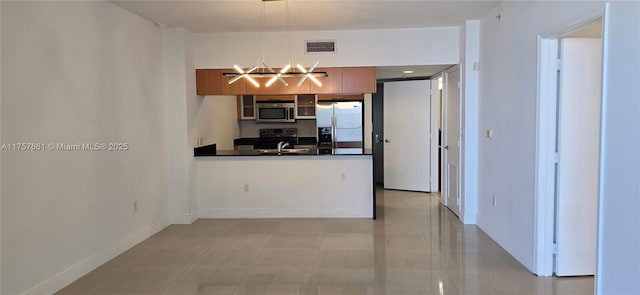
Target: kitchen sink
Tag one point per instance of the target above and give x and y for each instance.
(283, 152)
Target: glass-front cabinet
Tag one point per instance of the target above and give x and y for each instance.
(246, 107)
(306, 106)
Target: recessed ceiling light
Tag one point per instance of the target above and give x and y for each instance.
(407, 72)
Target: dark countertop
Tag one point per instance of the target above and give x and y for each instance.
(312, 152)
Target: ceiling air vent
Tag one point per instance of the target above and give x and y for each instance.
(320, 46)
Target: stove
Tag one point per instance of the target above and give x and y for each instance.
(270, 137)
(279, 133)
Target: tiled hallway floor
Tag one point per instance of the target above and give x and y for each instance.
(416, 246)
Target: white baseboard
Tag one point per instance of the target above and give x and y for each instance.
(71, 274)
(284, 213)
(183, 218)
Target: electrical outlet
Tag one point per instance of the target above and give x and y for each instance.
(135, 206)
(494, 201)
(246, 188)
(343, 176)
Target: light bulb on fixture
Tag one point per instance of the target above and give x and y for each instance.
(278, 76)
(245, 75)
(309, 74)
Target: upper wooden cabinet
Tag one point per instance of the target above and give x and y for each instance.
(246, 107)
(339, 80)
(340, 97)
(238, 87)
(208, 81)
(252, 89)
(293, 88)
(288, 98)
(359, 80)
(330, 84)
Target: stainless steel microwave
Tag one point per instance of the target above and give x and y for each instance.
(272, 112)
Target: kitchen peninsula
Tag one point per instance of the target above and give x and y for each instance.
(247, 184)
(326, 171)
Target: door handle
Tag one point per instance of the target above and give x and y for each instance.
(446, 147)
(387, 141)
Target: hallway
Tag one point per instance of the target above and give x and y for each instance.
(416, 246)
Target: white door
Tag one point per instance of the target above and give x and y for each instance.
(579, 152)
(407, 152)
(451, 141)
(435, 134)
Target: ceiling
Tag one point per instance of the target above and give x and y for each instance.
(218, 16)
(591, 30)
(395, 72)
(306, 15)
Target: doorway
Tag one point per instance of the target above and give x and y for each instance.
(420, 110)
(378, 134)
(407, 135)
(451, 118)
(568, 151)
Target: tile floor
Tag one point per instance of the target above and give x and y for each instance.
(416, 246)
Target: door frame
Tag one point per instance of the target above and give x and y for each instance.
(444, 188)
(546, 156)
(436, 147)
(430, 185)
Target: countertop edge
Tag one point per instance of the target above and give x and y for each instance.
(248, 153)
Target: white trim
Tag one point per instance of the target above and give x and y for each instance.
(286, 213)
(544, 204)
(183, 218)
(545, 156)
(68, 276)
(469, 123)
(603, 137)
(435, 137)
(445, 154)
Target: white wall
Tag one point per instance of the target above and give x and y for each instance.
(178, 139)
(507, 105)
(0, 156)
(619, 236)
(424, 46)
(469, 55)
(285, 186)
(223, 122)
(78, 72)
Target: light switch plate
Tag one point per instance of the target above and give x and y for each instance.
(489, 133)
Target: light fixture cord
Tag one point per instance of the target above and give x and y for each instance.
(289, 33)
(261, 45)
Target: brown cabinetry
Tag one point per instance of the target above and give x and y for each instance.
(339, 80)
(208, 81)
(293, 88)
(306, 106)
(252, 89)
(284, 98)
(238, 87)
(246, 107)
(340, 97)
(330, 84)
(359, 80)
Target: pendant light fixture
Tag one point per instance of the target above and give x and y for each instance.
(309, 74)
(274, 75)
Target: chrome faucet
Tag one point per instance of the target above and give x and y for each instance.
(281, 145)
